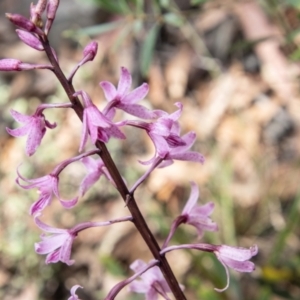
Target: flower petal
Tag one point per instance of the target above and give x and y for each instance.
(73, 291)
(237, 253)
(50, 243)
(204, 210)
(109, 90)
(188, 139)
(65, 250)
(124, 82)
(138, 111)
(43, 201)
(52, 257)
(161, 145)
(194, 195)
(21, 118)
(65, 203)
(136, 95)
(189, 156)
(151, 294)
(115, 132)
(203, 224)
(96, 117)
(90, 163)
(46, 227)
(35, 135)
(240, 266)
(19, 131)
(138, 286)
(175, 115)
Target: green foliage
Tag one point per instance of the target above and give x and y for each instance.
(117, 7)
(112, 266)
(293, 3)
(135, 20)
(173, 19)
(196, 2)
(148, 48)
(101, 28)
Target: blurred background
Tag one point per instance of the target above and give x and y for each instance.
(235, 67)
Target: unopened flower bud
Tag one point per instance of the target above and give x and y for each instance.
(30, 40)
(24, 23)
(90, 50)
(36, 12)
(52, 7)
(10, 64)
(89, 54)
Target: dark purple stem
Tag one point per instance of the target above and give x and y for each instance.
(138, 218)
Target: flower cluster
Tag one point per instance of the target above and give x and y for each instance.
(100, 126)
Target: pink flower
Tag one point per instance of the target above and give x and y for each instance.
(34, 127)
(182, 152)
(198, 215)
(123, 99)
(164, 132)
(48, 185)
(167, 153)
(152, 282)
(98, 125)
(95, 168)
(195, 215)
(236, 258)
(58, 244)
(73, 291)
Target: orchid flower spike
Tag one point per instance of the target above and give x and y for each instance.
(121, 98)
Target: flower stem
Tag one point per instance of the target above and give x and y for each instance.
(118, 287)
